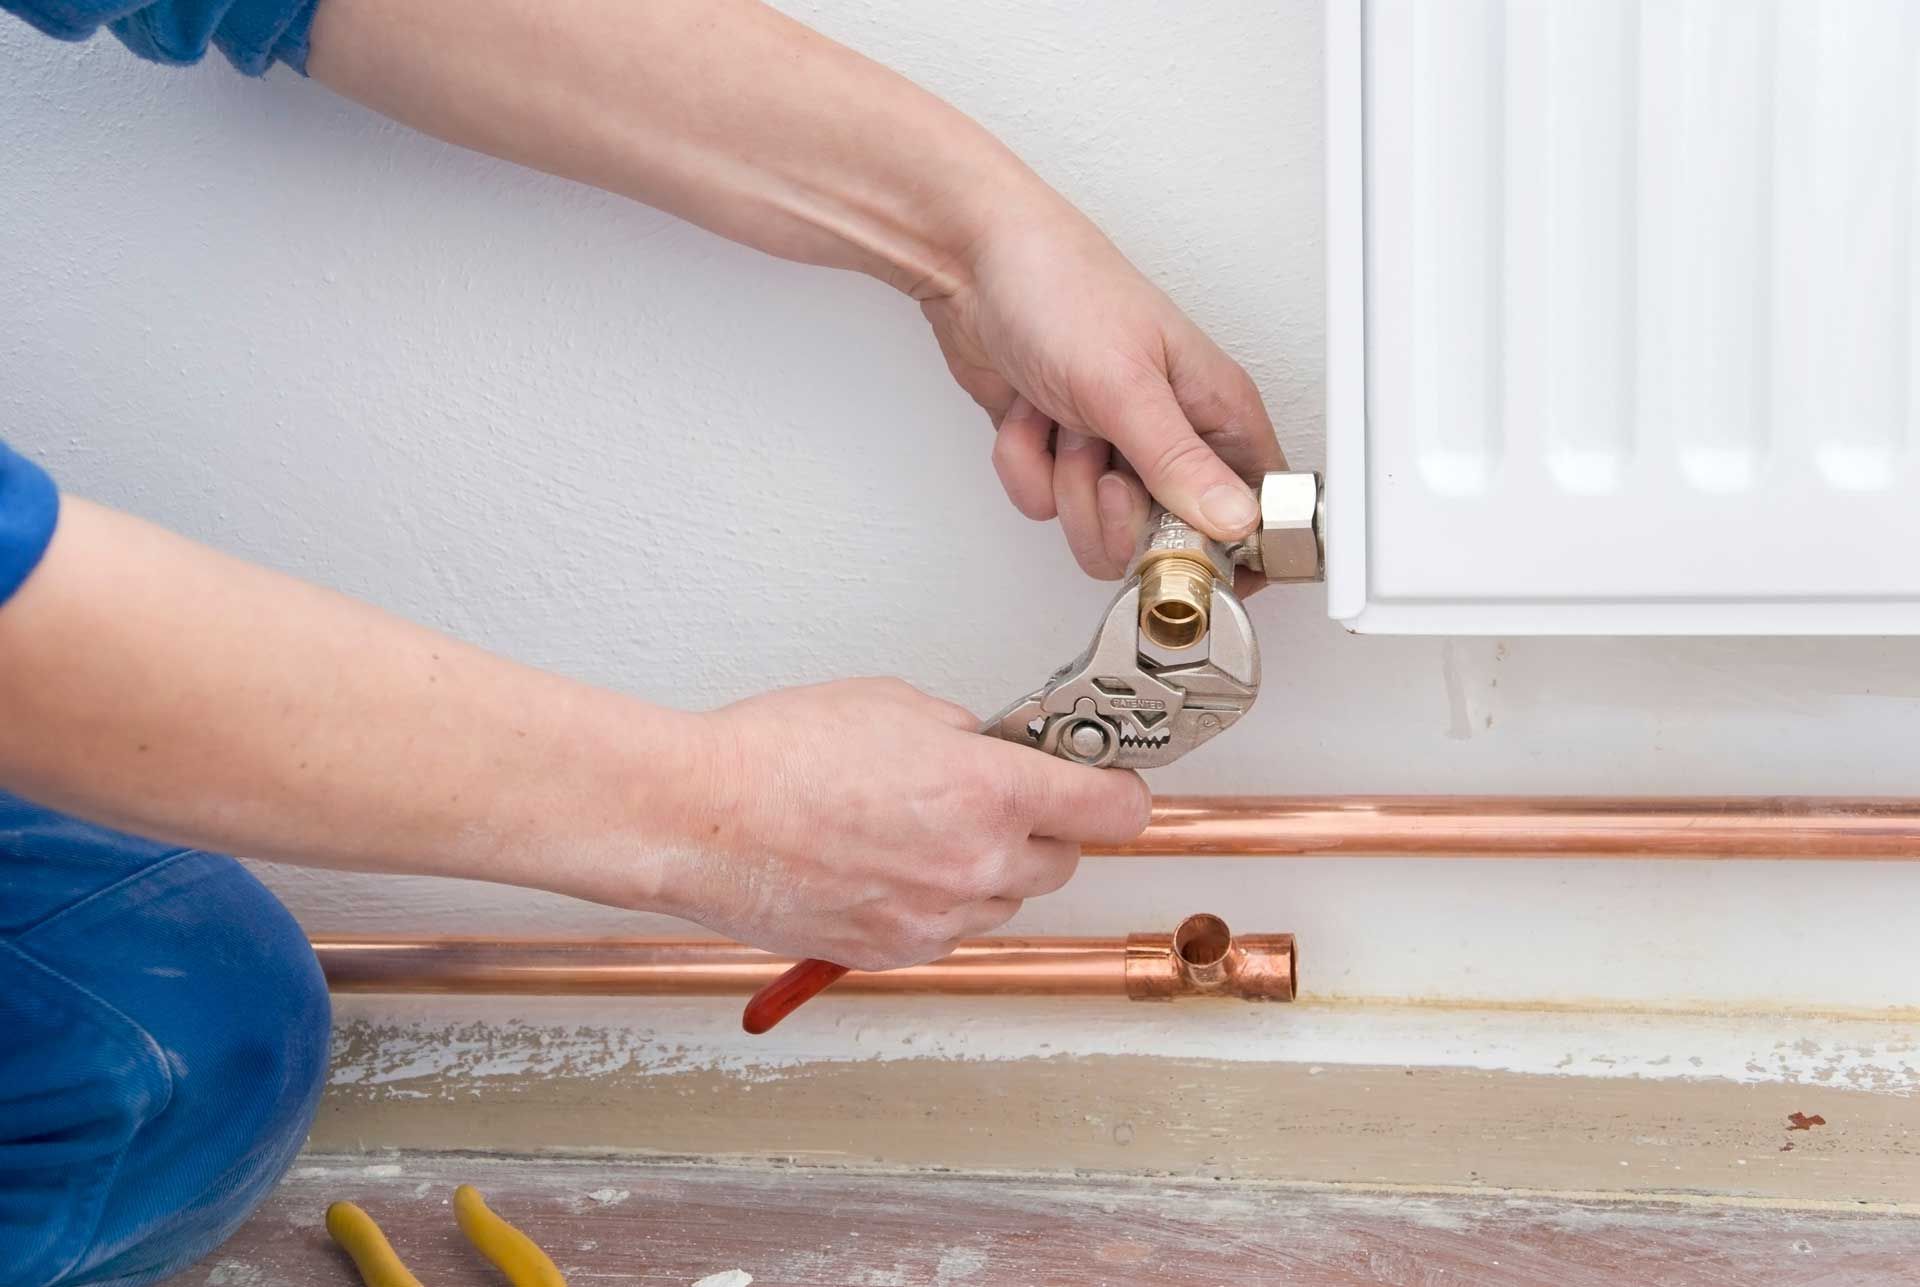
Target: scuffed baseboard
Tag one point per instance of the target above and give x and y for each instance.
(1801, 1109)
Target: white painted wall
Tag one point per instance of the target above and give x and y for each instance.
(500, 404)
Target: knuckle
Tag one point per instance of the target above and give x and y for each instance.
(891, 944)
(927, 931)
(973, 778)
(978, 875)
(1246, 395)
(1010, 451)
(1132, 374)
(1036, 507)
(1088, 542)
(1010, 797)
(959, 714)
(998, 872)
(1215, 404)
(953, 926)
(1134, 807)
(1027, 479)
(887, 688)
(1063, 872)
(1183, 456)
(1015, 467)
(1121, 387)
(1227, 401)
(878, 943)
(1080, 456)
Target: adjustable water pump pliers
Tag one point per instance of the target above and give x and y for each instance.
(1173, 663)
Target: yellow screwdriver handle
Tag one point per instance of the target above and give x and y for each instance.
(358, 1236)
(518, 1257)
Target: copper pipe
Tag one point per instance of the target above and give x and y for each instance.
(1151, 966)
(1144, 966)
(1522, 826)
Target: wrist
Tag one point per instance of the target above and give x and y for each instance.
(969, 221)
(698, 809)
(634, 789)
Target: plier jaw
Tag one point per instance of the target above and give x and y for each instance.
(1133, 703)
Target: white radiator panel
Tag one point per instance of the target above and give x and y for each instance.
(1621, 316)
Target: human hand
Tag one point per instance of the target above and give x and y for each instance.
(1059, 338)
(872, 825)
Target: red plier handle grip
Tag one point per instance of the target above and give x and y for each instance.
(788, 993)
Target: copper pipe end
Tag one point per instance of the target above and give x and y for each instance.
(1203, 958)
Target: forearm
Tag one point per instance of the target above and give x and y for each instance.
(724, 112)
(153, 684)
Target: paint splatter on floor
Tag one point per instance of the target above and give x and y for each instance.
(801, 1227)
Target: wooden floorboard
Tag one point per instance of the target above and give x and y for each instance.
(618, 1222)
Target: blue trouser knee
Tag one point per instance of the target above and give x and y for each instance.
(163, 1042)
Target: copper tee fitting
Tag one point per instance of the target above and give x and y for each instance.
(1203, 958)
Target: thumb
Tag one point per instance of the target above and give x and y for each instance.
(1176, 464)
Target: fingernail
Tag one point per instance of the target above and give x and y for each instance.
(1229, 507)
(1065, 439)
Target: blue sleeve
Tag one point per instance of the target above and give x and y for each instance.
(253, 34)
(29, 505)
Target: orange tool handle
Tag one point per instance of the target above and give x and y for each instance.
(788, 993)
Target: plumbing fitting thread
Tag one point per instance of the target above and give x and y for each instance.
(1176, 596)
(1176, 568)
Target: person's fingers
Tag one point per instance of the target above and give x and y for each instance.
(947, 712)
(1072, 802)
(956, 715)
(1223, 405)
(938, 708)
(986, 917)
(1147, 425)
(1078, 462)
(1123, 515)
(1021, 459)
(1045, 865)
